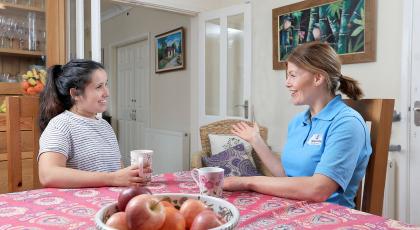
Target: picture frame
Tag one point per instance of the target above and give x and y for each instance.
(170, 50)
(349, 26)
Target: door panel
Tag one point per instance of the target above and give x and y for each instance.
(414, 161)
(212, 67)
(235, 66)
(133, 96)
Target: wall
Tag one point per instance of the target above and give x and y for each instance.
(191, 5)
(170, 92)
(380, 79)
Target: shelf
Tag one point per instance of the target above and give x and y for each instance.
(22, 7)
(17, 52)
(10, 88)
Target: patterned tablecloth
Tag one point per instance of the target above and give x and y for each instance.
(75, 209)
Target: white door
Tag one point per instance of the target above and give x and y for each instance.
(414, 156)
(225, 64)
(132, 96)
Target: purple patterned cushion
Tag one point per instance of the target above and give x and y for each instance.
(234, 161)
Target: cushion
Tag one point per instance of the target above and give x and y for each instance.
(234, 161)
(219, 143)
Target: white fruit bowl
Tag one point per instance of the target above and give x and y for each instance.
(225, 209)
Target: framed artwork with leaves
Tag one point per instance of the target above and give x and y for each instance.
(349, 26)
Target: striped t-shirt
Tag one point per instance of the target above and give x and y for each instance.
(88, 144)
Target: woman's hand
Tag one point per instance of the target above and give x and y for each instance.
(246, 132)
(234, 183)
(130, 176)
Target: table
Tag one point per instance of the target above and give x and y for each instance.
(75, 208)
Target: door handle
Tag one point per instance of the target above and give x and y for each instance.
(416, 109)
(394, 148)
(245, 106)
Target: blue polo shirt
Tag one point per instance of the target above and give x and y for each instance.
(334, 143)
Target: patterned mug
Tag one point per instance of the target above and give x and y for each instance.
(209, 180)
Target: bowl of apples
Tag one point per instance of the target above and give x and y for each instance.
(138, 208)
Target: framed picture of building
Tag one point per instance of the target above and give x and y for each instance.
(349, 26)
(170, 50)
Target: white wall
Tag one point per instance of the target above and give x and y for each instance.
(380, 79)
(170, 92)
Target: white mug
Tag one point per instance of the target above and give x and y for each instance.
(142, 157)
(209, 180)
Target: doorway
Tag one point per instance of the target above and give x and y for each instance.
(132, 77)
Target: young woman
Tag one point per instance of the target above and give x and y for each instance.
(78, 149)
(328, 146)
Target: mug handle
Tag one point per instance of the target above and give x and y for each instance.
(194, 175)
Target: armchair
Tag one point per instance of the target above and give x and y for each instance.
(224, 127)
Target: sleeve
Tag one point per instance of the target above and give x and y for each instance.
(54, 140)
(344, 143)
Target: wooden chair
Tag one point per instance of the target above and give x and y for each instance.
(224, 127)
(379, 112)
(21, 126)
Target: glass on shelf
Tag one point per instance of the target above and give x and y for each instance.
(7, 77)
(32, 35)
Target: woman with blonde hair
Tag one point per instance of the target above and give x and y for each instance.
(328, 145)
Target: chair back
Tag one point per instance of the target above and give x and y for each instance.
(222, 127)
(379, 112)
(22, 123)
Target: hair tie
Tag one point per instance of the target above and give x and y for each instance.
(57, 71)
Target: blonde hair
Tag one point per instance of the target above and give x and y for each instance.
(317, 57)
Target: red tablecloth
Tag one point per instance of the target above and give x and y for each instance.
(75, 209)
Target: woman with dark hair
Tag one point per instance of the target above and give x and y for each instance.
(77, 148)
(328, 145)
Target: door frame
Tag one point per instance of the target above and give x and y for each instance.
(112, 73)
(202, 18)
(404, 196)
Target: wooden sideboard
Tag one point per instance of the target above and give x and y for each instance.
(17, 61)
(26, 144)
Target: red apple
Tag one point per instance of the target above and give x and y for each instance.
(125, 195)
(173, 220)
(205, 220)
(167, 204)
(190, 209)
(118, 221)
(145, 212)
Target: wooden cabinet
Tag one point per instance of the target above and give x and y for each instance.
(23, 39)
(14, 60)
(16, 53)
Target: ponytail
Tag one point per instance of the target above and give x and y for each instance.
(50, 104)
(56, 98)
(350, 87)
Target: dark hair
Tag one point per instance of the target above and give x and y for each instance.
(321, 58)
(56, 98)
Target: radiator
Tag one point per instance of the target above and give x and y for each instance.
(390, 189)
(171, 150)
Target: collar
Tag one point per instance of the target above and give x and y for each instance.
(328, 112)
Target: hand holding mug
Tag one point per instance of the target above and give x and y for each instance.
(143, 159)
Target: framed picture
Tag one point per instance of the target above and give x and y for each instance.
(349, 26)
(170, 51)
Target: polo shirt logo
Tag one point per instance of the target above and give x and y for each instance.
(316, 139)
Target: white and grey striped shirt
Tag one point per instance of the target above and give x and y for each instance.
(88, 144)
